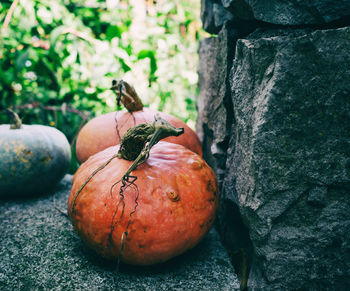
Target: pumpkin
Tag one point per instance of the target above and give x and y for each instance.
(33, 158)
(167, 208)
(108, 129)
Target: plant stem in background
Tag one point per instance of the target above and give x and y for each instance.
(9, 15)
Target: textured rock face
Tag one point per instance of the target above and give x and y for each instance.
(214, 15)
(292, 12)
(274, 117)
(215, 105)
(290, 166)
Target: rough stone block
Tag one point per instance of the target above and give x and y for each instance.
(214, 15)
(288, 166)
(214, 101)
(292, 12)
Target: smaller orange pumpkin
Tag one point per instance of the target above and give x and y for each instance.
(107, 130)
(166, 211)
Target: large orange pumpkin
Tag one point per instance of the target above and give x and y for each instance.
(170, 209)
(108, 129)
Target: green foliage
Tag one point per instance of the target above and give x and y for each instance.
(58, 58)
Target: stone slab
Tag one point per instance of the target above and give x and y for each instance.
(40, 251)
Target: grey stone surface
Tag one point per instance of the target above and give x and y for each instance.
(214, 15)
(288, 165)
(239, 8)
(291, 12)
(214, 100)
(40, 251)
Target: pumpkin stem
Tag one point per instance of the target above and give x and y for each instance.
(16, 122)
(127, 95)
(138, 141)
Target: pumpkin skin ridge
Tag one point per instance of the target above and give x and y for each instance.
(189, 218)
(33, 159)
(100, 132)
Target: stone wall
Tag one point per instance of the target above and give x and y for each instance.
(274, 119)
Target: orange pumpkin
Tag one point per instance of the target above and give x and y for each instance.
(107, 130)
(172, 206)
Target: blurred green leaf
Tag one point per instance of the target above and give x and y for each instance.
(113, 31)
(125, 67)
(20, 62)
(152, 60)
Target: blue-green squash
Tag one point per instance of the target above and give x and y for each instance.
(33, 159)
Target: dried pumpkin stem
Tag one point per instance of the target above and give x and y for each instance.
(151, 133)
(127, 95)
(16, 122)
